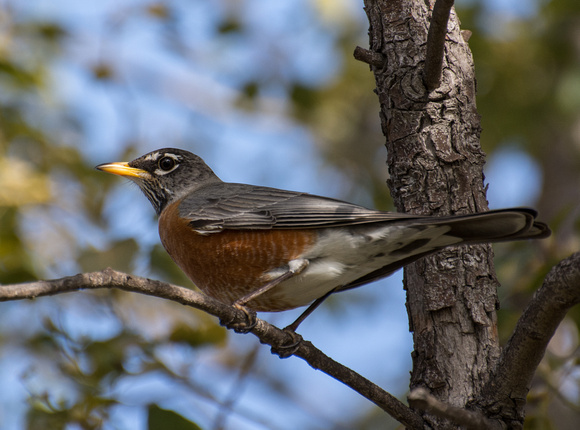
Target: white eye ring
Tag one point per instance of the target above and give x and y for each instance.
(167, 163)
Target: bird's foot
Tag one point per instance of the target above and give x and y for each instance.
(245, 326)
(289, 346)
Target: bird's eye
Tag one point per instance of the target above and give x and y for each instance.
(166, 163)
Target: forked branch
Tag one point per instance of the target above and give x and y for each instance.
(524, 351)
(420, 398)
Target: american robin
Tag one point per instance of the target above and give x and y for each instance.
(273, 250)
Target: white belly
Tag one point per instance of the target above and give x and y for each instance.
(342, 256)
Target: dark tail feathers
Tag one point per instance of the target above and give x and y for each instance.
(496, 226)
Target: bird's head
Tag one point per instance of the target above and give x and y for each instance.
(164, 175)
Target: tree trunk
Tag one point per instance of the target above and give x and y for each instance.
(435, 165)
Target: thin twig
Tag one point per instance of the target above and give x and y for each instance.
(266, 332)
(420, 398)
(436, 43)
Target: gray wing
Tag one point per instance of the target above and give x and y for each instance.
(239, 206)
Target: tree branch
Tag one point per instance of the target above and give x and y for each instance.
(436, 43)
(266, 332)
(524, 351)
(370, 57)
(420, 398)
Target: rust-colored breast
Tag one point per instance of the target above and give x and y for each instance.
(230, 264)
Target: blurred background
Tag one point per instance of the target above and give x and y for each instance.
(267, 93)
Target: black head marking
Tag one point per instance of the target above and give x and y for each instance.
(169, 174)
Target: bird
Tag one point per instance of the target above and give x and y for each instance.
(270, 250)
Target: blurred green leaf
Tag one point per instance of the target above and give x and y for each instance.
(50, 31)
(161, 263)
(19, 76)
(251, 89)
(119, 256)
(159, 10)
(304, 99)
(162, 419)
(103, 72)
(39, 417)
(230, 25)
(208, 334)
(15, 263)
(107, 357)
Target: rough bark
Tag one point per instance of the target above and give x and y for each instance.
(435, 164)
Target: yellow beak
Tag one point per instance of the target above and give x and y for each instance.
(123, 169)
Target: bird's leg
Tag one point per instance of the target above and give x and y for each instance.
(287, 349)
(294, 268)
(292, 327)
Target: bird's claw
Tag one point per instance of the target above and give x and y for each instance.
(242, 326)
(289, 346)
